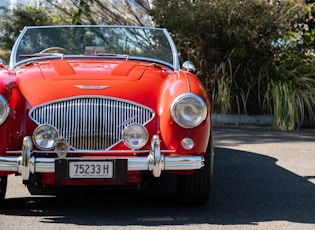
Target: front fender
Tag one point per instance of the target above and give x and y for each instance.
(10, 130)
(172, 134)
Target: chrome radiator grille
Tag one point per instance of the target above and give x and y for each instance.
(91, 123)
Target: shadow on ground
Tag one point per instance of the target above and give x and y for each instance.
(230, 135)
(247, 188)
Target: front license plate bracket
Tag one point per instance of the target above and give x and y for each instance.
(118, 166)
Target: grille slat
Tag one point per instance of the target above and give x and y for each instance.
(91, 123)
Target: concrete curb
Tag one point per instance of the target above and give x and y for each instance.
(235, 119)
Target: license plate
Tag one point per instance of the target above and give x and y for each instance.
(91, 169)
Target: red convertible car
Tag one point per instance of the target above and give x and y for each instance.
(105, 106)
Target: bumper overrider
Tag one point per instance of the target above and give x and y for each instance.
(155, 162)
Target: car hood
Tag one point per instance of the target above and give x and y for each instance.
(64, 70)
(52, 80)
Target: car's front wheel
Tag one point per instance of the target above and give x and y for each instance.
(3, 187)
(194, 189)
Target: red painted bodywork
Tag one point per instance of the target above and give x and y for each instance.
(152, 85)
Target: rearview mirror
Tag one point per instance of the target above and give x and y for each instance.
(188, 66)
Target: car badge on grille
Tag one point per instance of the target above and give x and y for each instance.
(92, 86)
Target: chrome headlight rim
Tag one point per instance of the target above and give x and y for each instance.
(54, 133)
(144, 132)
(178, 116)
(6, 109)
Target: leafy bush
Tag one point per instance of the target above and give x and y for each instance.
(291, 97)
(253, 55)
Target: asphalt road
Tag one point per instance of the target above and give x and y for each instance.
(263, 179)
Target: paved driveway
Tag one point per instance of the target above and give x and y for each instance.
(267, 175)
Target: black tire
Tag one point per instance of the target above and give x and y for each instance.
(3, 187)
(194, 189)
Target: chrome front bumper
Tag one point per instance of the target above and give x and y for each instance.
(155, 162)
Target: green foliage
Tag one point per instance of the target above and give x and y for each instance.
(217, 33)
(222, 92)
(83, 7)
(292, 96)
(125, 12)
(225, 90)
(13, 22)
(254, 56)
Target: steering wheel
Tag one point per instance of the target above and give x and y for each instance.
(58, 49)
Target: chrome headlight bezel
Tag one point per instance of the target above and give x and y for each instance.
(135, 136)
(46, 133)
(4, 109)
(189, 110)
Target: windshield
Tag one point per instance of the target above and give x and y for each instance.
(143, 43)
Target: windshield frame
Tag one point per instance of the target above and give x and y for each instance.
(14, 63)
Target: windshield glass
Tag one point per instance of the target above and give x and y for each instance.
(142, 43)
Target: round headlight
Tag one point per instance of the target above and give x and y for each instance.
(135, 136)
(188, 110)
(4, 109)
(44, 136)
